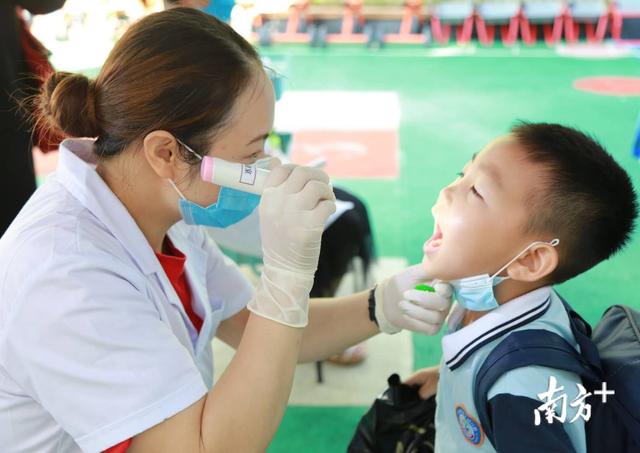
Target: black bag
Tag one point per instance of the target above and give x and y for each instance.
(398, 422)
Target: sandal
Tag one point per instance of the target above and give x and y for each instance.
(351, 356)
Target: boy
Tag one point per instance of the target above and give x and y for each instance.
(533, 209)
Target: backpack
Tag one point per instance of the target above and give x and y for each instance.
(610, 354)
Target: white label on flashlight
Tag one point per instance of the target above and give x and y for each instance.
(248, 175)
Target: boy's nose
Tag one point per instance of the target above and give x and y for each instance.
(446, 194)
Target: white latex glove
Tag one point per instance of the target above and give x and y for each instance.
(400, 306)
(295, 205)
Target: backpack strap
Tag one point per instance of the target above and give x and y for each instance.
(581, 331)
(525, 348)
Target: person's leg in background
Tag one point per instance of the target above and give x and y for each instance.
(17, 81)
(366, 247)
(347, 238)
(18, 181)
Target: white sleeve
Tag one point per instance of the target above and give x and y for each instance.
(89, 346)
(225, 280)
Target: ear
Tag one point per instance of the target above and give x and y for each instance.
(537, 263)
(161, 151)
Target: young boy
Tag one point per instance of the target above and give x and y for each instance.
(536, 208)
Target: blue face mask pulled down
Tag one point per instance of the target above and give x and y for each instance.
(476, 293)
(232, 206)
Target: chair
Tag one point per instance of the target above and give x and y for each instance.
(289, 26)
(339, 22)
(397, 21)
(503, 14)
(593, 14)
(549, 14)
(449, 14)
(623, 10)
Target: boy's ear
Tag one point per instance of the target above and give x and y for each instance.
(539, 262)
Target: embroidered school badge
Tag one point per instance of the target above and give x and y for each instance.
(469, 426)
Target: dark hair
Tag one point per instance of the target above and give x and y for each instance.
(179, 70)
(588, 202)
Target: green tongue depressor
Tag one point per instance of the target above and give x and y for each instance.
(425, 288)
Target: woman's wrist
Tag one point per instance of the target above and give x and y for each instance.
(372, 305)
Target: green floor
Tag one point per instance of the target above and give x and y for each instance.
(451, 107)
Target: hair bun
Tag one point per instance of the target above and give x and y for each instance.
(68, 103)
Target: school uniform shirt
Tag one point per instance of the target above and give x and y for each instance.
(514, 397)
(95, 344)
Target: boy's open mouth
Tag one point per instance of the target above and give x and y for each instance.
(434, 242)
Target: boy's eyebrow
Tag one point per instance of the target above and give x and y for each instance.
(493, 173)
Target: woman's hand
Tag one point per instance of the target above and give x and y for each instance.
(427, 379)
(295, 205)
(400, 306)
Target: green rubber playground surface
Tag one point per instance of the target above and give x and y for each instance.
(452, 104)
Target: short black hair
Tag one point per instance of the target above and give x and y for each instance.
(588, 202)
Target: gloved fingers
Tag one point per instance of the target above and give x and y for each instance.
(279, 175)
(412, 275)
(321, 213)
(268, 163)
(427, 300)
(274, 162)
(416, 325)
(313, 193)
(300, 176)
(304, 226)
(418, 272)
(421, 314)
(443, 289)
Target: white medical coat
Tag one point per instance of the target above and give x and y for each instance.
(95, 345)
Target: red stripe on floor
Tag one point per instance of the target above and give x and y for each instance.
(349, 154)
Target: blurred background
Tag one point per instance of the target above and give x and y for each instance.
(394, 97)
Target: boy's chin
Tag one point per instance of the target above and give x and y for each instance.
(430, 267)
(438, 269)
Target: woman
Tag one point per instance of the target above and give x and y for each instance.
(109, 301)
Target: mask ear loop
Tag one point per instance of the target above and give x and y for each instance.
(189, 148)
(177, 190)
(192, 152)
(553, 243)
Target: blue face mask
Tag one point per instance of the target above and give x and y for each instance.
(476, 293)
(232, 206)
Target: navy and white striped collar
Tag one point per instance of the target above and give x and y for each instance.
(460, 344)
